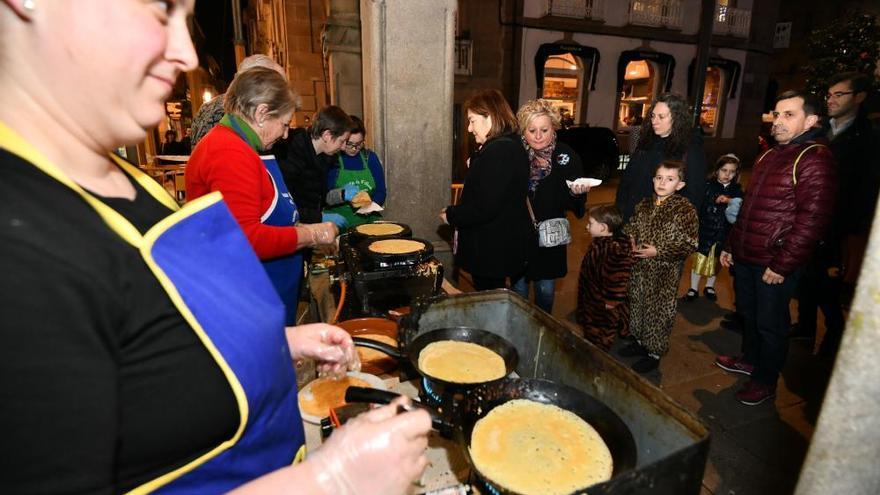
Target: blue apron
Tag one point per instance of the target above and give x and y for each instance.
(201, 258)
(285, 271)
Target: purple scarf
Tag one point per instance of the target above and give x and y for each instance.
(540, 162)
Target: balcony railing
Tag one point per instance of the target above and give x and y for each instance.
(656, 13)
(464, 57)
(731, 21)
(578, 9)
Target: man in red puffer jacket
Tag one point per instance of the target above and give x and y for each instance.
(787, 208)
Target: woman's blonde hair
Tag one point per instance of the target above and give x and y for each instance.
(258, 86)
(533, 109)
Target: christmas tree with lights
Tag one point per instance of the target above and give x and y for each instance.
(850, 44)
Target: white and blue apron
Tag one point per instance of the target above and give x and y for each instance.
(201, 258)
(285, 272)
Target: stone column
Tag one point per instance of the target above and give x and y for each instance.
(844, 452)
(408, 78)
(342, 41)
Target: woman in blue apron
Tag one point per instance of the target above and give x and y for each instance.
(259, 105)
(142, 347)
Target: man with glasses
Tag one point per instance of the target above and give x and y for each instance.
(838, 258)
(854, 141)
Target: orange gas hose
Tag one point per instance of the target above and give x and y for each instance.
(342, 290)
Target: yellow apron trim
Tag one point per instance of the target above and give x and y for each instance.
(150, 238)
(14, 143)
(10, 140)
(157, 191)
(300, 455)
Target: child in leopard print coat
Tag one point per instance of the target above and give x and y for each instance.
(664, 232)
(602, 309)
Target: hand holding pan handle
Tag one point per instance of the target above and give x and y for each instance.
(378, 346)
(376, 396)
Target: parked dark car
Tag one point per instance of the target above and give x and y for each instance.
(597, 147)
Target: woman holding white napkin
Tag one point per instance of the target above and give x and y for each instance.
(551, 164)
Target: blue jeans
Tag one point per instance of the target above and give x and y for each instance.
(765, 309)
(544, 290)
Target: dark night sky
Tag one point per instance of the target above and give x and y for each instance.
(214, 17)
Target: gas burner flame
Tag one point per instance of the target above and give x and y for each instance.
(429, 391)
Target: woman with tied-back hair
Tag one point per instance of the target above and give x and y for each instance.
(142, 346)
(667, 134)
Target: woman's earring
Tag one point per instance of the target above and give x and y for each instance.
(260, 124)
(29, 5)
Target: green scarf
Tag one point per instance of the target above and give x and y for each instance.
(245, 131)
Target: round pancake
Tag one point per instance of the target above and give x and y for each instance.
(461, 362)
(379, 229)
(323, 394)
(534, 448)
(371, 355)
(396, 246)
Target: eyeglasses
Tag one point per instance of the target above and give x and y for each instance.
(354, 146)
(838, 94)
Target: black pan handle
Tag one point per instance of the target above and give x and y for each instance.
(376, 396)
(369, 395)
(379, 346)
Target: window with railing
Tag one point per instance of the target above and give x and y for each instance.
(464, 57)
(579, 9)
(732, 21)
(656, 13)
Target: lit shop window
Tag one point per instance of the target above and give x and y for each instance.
(638, 90)
(563, 85)
(710, 112)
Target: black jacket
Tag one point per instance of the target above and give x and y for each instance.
(304, 172)
(494, 229)
(714, 226)
(551, 199)
(637, 182)
(858, 174)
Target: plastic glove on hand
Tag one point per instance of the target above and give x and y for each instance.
(331, 348)
(378, 453)
(336, 218)
(349, 190)
(322, 233)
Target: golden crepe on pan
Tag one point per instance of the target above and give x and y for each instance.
(379, 229)
(323, 394)
(534, 448)
(396, 246)
(461, 362)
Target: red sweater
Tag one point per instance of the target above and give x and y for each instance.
(223, 162)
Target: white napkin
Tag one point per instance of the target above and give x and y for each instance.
(583, 180)
(370, 208)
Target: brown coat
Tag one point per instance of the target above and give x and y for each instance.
(604, 279)
(672, 228)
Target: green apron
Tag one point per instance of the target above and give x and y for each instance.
(364, 180)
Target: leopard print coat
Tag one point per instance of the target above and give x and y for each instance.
(672, 228)
(604, 279)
